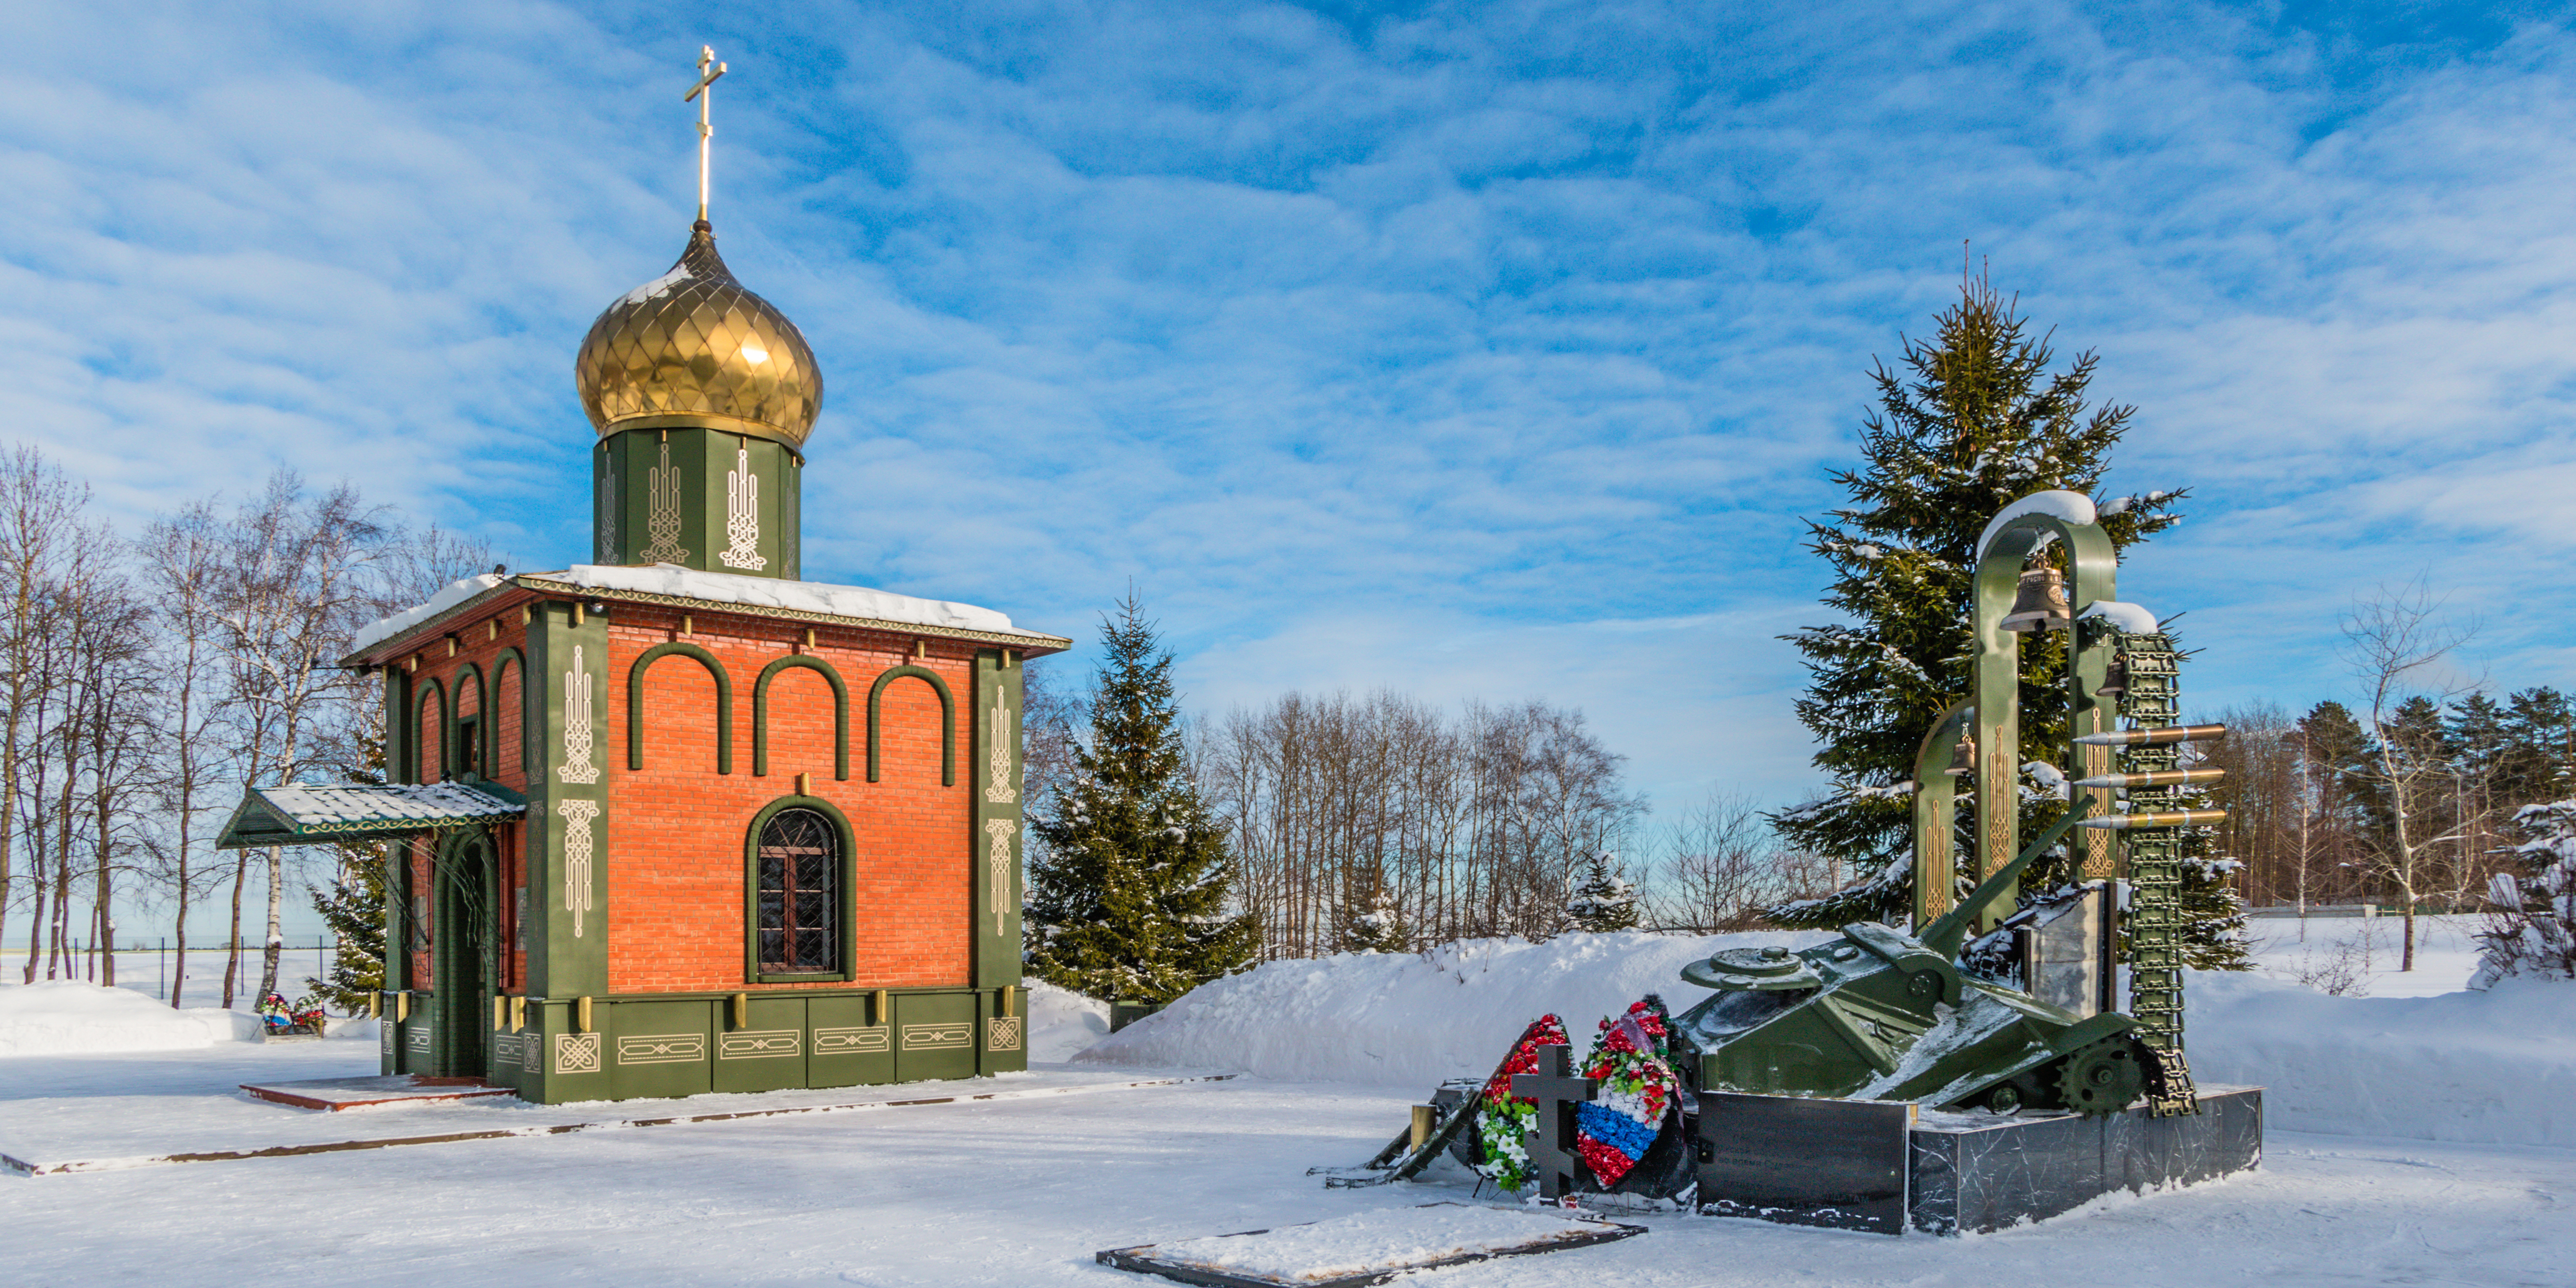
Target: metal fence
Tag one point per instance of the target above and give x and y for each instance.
(148, 967)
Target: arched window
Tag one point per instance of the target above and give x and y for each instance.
(798, 895)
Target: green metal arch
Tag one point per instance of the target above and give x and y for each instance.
(947, 720)
(849, 909)
(840, 712)
(422, 693)
(501, 663)
(1936, 812)
(635, 702)
(2094, 565)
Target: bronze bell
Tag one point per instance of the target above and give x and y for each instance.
(2115, 681)
(2039, 603)
(1963, 757)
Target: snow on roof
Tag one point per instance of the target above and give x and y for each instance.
(715, 587)
(801, 596)
(2132, 618)
(457, 592)
(2073, 507)
(425, 802)
(291, 814)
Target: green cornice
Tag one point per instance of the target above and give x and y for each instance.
(1032, 644)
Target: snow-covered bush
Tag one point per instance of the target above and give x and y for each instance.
(2531, 913)
(1370, 923)
(1603, 900)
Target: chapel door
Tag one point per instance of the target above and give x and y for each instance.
(464, 956)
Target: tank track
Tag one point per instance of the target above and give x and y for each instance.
(2155, 920)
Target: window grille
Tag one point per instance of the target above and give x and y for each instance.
(800, 888)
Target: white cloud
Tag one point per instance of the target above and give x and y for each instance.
(1479, 328)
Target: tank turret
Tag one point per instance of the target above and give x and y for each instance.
(1882, 1015)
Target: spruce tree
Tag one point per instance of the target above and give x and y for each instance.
(1603, 900)
(1127, 896)
(1967, 423)
(1369, 921)
(2541, 764)
(354, 909)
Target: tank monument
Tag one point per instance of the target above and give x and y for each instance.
(1968, 1072)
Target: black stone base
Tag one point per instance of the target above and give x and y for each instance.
(1977, 1172)
(1804, 1161)
(1870, 1165)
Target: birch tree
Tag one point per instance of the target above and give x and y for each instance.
(181, 558)
(296, 587)
(40, 513)
(2395, 640)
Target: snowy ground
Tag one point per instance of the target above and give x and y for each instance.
(1024, 1192)
(2366, 953)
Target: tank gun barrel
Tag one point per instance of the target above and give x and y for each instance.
(2153, 737)
(1947, 934)
(2159, 818)
(2157, 778)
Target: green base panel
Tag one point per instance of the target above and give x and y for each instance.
(646, 1048)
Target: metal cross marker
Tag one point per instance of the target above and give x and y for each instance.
(703, 93)
(1551, 1142)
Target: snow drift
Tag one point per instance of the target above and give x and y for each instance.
(2497, 1066)
(1413, 1019)
(2490, 1067)
(1062, 1022)
(73, 1017)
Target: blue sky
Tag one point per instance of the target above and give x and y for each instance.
(1485, 350)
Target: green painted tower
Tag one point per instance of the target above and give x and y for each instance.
(703, 394)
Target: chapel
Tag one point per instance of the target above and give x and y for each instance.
(675, 820)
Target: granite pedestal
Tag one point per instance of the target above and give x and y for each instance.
(1871, 1165)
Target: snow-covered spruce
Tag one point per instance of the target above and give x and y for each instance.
(1602, 900)
(1968, 423)
(2531, 911)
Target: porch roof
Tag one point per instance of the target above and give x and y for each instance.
(293, 815)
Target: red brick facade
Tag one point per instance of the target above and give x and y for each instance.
(676, 829)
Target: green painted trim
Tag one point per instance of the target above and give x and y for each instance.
(561, 962)
(857, 988)
(751, 892)
(400, 755)
(528, 754)
(482, 712)
(635, 702)
(464, 967)
(430, 689)
(947, 720)
(995, 827)
(840, 713)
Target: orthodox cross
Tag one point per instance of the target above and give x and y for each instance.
(1551, 1142)
(702, 94)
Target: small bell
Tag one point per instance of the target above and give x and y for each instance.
(2039, 602)
(2115, 681)
(1963, 757)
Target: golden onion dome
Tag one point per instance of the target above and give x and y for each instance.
(693, 348)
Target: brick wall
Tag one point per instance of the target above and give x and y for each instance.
(479, 643)
(677, 828)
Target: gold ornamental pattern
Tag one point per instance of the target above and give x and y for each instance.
(694, 348)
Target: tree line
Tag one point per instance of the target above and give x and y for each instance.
(145, 680)
(1380, 821)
